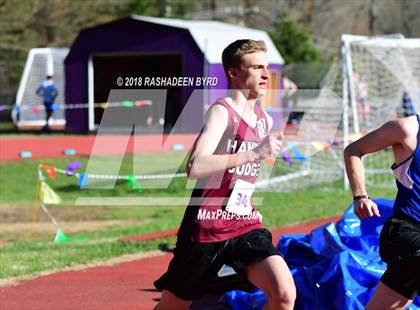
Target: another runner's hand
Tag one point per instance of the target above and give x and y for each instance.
(365, 207)
(270, 146)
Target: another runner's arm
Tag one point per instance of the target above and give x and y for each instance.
(391, 133)
(204, 162)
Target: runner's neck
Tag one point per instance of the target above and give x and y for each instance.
(239, 101)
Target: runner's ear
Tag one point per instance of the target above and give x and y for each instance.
(233, 72)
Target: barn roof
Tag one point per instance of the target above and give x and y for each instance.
(213, 36)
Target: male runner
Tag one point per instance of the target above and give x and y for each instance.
(224, 227)
(399, 244)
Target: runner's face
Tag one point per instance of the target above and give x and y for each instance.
(252, 75)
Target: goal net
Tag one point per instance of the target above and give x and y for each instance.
(311, 153)
(377, 79)
(29, 110)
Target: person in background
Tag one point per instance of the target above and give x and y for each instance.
(407, 105)
(289, 89)
(361, 89)
(49, 92)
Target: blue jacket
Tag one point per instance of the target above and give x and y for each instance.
(48, 90)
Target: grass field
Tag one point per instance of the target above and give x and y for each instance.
(96, 230)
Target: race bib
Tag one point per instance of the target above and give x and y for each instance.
(240, 199)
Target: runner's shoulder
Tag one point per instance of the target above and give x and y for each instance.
(217, 115)
(217, 110)
(403, 126)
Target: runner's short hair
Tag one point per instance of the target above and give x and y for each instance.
(232, 54)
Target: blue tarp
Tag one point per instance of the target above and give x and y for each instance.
(336, 266)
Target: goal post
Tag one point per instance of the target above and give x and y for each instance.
(29, 109)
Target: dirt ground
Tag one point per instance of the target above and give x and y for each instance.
(10, 213)
(23, 221)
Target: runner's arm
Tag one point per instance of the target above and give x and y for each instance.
(391, 133)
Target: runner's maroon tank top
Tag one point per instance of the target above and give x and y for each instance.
(207, 220)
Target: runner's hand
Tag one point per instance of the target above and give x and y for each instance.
(365, 207)
(270, 146)
(260, 216)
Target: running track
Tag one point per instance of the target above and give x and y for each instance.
(54, 146)
(125, 286)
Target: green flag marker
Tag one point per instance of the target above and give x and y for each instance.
(127, 104)
(61, 237)
(132, 182)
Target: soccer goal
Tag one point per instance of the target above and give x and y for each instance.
(29, 109)
(376, 79)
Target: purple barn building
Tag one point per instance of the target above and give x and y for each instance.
(147, 47)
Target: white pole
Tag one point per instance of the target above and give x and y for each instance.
(349, 72)
(25, 77)
(91, 99)
(344, 87)
(50, 62)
